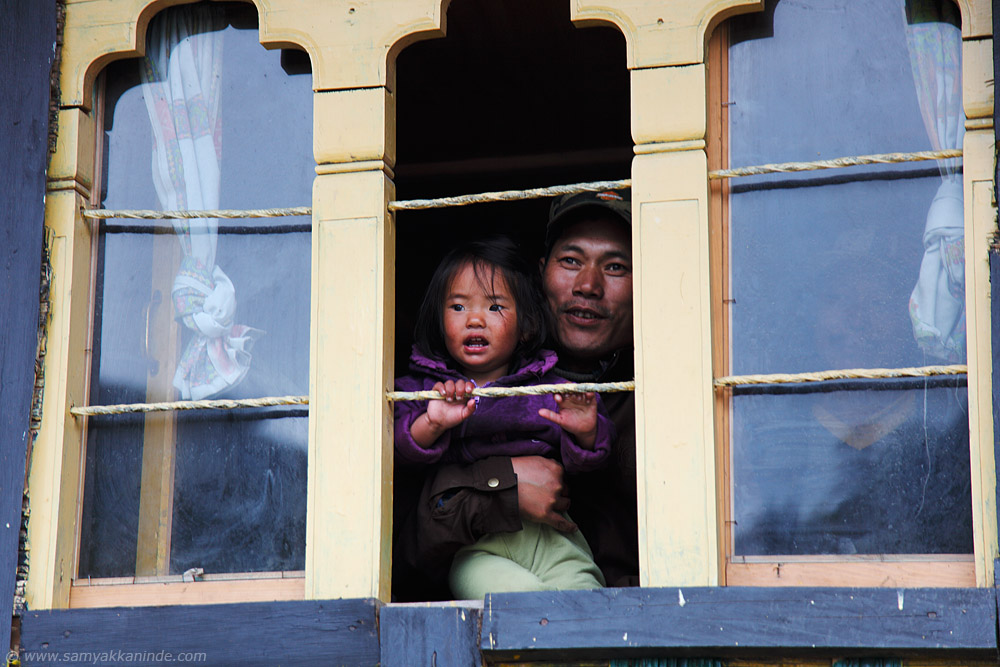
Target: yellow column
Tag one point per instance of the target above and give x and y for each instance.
(55, 477)
(678, 524)
(980, 228)
(673, 336)
(349, 534)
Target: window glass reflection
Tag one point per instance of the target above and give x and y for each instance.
(857, 268)
(201, 308)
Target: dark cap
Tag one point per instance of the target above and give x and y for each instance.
(571, 207)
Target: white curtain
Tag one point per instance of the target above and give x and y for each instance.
(181, 83)
(937, 304)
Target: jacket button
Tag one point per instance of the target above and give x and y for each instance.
(493, 482)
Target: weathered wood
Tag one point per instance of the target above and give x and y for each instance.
(995, 319)
(740, 621)
(995, 268)
(27, 35)
(197, 593)
(996, 114)
(429, 635)
(328, 632)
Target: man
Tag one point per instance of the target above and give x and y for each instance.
(587, 279)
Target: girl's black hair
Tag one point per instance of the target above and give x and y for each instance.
(487, 256)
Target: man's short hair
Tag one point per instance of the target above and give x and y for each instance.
(568, 209)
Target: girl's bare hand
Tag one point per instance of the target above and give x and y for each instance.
(457, 406)
(577, 415)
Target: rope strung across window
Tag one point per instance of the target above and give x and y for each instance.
(846, 374)
(174, 406)
(509, 195)
(500, 392)
(238, 214)
(533, 390)
(533, 193)
(835, 163)
(514, 195)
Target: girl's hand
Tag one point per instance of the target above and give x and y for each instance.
(577, 415)
(457, 406)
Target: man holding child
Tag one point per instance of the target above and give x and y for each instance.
(587, 280)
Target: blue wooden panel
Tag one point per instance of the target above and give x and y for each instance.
(731, 621)
(311, 632)
(436, 635)
(27, 36)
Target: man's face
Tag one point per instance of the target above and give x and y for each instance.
(588, 283)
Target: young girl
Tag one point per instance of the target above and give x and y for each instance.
(482, 323)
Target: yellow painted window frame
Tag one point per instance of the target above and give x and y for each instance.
(352, 48)
(349, 487)
(895, 571)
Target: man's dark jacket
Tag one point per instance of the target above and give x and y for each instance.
(439, 510)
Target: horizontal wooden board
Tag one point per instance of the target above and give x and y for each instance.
(186, 593)
(942, 574)
(327, 632)
(429, 635)
(740, 621)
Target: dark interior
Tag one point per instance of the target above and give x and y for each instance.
(515, 96)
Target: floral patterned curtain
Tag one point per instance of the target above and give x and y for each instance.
(181, 84)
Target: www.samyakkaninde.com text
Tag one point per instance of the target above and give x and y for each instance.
(118, 656)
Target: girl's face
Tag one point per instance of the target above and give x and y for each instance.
(480, 324)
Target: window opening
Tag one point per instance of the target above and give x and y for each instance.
(862, 268)
(200, 308)
(515, 96)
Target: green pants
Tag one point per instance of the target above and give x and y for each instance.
(537, 558)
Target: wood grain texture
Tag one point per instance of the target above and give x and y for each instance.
(429, 635)
(734, 621)
(995, 268)
(27, 36)
(314, 632)
(995, 311)
(855, 572)
(187, 593)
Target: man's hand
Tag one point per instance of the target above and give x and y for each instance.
(540, 492)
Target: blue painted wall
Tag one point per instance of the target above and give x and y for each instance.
(27, 40)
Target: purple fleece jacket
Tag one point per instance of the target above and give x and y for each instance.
(507, 426)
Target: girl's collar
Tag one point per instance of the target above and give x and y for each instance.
(543, 362)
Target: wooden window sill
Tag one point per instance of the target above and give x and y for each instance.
(172, 590)
(946, 571)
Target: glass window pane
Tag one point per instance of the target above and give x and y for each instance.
(201, 308)
(856, 268)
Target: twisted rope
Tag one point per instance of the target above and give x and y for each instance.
(835, 163)
(532, 193)
(140, 214)
(847, 374)
(534, 390)
(173, 406)
(269, 401)
(509, 195)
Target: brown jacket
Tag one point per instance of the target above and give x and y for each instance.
(438, 510)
